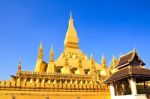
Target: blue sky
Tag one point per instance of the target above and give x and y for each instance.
(110, 27)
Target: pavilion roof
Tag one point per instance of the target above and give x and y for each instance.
(136, 72)
(127, 59)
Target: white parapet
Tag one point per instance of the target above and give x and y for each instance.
(140, 96)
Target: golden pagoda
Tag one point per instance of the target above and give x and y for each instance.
(72, 76)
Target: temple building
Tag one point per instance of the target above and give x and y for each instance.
(129, 79)
(73, 75)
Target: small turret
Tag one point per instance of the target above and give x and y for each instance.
(80, 69)
(93, 68)
(113, 64)
(19, 67)
(19, 71)
(39, 58)
(66, 68)
(40, 52)
(92, 59)
(103, 62)
(52, 54)
(92, 63)
(51, 65)
(40, 64)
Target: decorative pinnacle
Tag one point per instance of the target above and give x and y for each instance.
(41, 45)
(52, 49)
(71, 39)
(71, 20)
(20, 63)
(52, 53)
(103, 57)
(103, 61)
(113, 57)
(92, 55)
(70, 15)
(134, 49)
(20, 60)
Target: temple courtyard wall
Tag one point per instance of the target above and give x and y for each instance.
(6, 94)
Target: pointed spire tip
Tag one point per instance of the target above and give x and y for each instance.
(41, 45)
(103, 56)
(70, 15)
(92, 55)
(20, 63)
(20, 60)
(52, 47)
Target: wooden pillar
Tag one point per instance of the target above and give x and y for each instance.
(144, 87)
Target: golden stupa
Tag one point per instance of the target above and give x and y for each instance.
(72, 76)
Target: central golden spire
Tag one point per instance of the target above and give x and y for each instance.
(71, 40)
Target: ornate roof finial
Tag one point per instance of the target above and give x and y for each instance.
(20, 63)
(134, 49)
